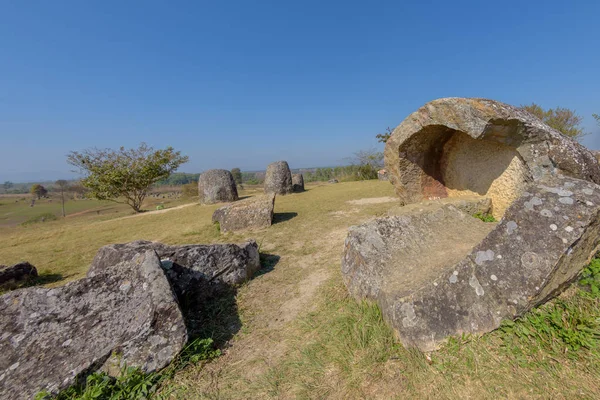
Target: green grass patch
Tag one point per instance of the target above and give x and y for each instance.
(45, 217)
(133, 383)
(485, 217)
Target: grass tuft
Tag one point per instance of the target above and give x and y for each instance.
(485, 217)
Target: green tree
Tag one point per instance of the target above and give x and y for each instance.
(62, 186)
(383, 137)
(564, 120)
(237, 176)
(7, 185)
(597, 118)
(368, 162)
(38, 190)
(125, 175)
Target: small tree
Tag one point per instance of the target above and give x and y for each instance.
(237, 176)
(369, 162)
(38, 190)
(383, 137)
(7, 185)
(63, 186)
(125, 175)
(563, 120)
(597, 118)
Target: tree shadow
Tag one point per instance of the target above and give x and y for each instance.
(282, 217)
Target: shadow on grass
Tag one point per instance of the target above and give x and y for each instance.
(282, 217)
(42, 279)
(45, 278)
(267, 263)
(210, 309)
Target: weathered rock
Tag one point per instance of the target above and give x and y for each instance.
(432, 269)
(228, 263)
(278, 178)
(298, 183)
(333, 181)
(596, 154)
(433, 277)
(215, 186)
(199, 274)
(52, 337)
(470, 205)
(454, 146)
(252, 213)
(16, 273)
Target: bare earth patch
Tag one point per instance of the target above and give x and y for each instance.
(373, 200)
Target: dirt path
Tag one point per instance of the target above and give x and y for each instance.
(272, 303)
(149, 213)
(373, 200)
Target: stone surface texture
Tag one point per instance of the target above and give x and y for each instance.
(470, 205)
(434, 270)
(413, 265)
(278, 178)
(189, 265)
(18, 272)
(457, 146)
(216, 186)
(252, 213)
(298, 183)
(49, 338)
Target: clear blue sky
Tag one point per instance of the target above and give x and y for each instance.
(241, 84)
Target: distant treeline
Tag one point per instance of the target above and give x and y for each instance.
(341, 173)
(178, 178)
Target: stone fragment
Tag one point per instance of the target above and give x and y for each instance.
(228, 263)
(51, 338)
(19, 272)
(252, 213)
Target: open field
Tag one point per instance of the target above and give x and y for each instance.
(16, 209)
(301, 336)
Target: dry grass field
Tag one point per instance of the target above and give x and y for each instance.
(300, 336)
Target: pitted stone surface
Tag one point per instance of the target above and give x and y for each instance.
(421, 242)
(216, 186)
(525, 260)
(191, 265)
(253, 213)
(455, 146)
(52, 337)
(278, 178)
